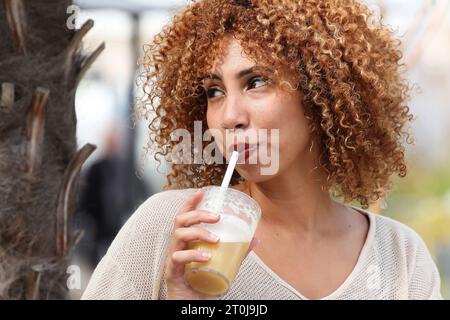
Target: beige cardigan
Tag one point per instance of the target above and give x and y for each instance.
(394, 262)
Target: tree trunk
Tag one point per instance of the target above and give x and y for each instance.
(40, 67)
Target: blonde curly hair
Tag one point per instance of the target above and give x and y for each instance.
(346, 64)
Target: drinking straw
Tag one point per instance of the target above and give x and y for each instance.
(227, 178)
(219, 199)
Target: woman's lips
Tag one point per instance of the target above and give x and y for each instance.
(245, 150)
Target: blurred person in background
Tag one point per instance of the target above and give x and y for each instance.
(109, 194)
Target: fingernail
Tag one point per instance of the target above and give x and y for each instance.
(206, 255)
(213, 237)
(214, 215)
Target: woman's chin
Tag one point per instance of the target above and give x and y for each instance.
(252, 173)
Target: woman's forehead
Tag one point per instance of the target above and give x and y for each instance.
(231, 52)
(232, 58)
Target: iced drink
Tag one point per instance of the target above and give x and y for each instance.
(240, 215)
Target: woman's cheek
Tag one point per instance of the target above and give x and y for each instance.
(211, 119)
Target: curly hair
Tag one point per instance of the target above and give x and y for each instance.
(346, 63)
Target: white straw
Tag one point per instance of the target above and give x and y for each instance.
(227, 178)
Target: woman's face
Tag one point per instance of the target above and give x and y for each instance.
(245, 103)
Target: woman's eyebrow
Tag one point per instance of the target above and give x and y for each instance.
(240, 74)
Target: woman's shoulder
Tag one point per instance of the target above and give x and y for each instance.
(402, 252)
(151, 223)
(408, 246)
(389, 232)
(398, 240)
(134, 263)
(160, 209)
(168, 198)
(395, 232)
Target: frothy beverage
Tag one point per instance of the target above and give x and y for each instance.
(215, 276)
(240, 215)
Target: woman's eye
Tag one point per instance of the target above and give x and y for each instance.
(210, 92)
(261, 80)
(254, 83)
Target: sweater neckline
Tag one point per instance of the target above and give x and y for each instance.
(362, 256)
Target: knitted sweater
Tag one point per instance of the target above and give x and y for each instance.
(394, 262)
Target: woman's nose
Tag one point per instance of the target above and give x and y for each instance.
(235, 115)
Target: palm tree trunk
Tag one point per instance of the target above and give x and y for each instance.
(40, 68)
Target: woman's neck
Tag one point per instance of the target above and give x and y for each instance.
(295, 204)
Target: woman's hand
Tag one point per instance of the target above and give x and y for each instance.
(179, 252)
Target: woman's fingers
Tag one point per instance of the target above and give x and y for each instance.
(180, 252)
(183, 236)
(192, 202)
(188, 216)
(188, 256)
(195, 217)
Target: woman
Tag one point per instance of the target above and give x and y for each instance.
(327, 76)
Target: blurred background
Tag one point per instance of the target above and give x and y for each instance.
(111, 190)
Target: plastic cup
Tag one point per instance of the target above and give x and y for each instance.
(240, 215)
